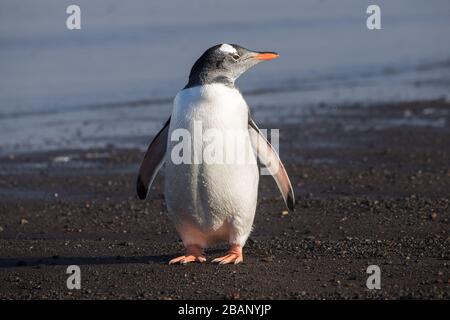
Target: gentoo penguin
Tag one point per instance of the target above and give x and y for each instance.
(213, 201)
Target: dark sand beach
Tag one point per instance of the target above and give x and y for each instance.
(372, 186)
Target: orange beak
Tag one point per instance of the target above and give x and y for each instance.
(266, 56)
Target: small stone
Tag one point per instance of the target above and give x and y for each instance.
(1, 229)
(284, 213)
(236, 295)
(434, 216)
(23, 221)
(267, 259)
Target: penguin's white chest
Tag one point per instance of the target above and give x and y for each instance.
(211, 170)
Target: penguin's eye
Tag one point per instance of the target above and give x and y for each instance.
(235, 56)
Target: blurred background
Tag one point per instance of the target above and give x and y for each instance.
(113, 81)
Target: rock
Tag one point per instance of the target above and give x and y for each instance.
(236, 295)
(267, 259)
(23, 221)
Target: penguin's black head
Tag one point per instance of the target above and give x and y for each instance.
(224, 63)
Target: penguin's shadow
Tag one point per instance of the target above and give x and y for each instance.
(80, 261)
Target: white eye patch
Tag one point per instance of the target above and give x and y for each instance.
(227, 48)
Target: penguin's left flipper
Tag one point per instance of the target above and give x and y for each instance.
(153, 161)
(269, 157)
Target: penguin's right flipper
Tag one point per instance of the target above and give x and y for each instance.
(153, 161)
(269, 157)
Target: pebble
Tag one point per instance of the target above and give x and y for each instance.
(267, 259)
(236, 295)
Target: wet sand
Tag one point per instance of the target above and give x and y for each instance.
(372, 186)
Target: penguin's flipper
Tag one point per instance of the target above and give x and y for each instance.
(153, 161)
(269, 157)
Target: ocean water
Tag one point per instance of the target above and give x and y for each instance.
(112, 82)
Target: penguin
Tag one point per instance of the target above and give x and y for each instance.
(213, 202)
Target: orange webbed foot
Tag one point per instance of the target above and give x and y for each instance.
(193, 254)
(234, 255)
(187, 259)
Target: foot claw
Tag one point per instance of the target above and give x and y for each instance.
(187, 259)
(233, 256)
(193, 254)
